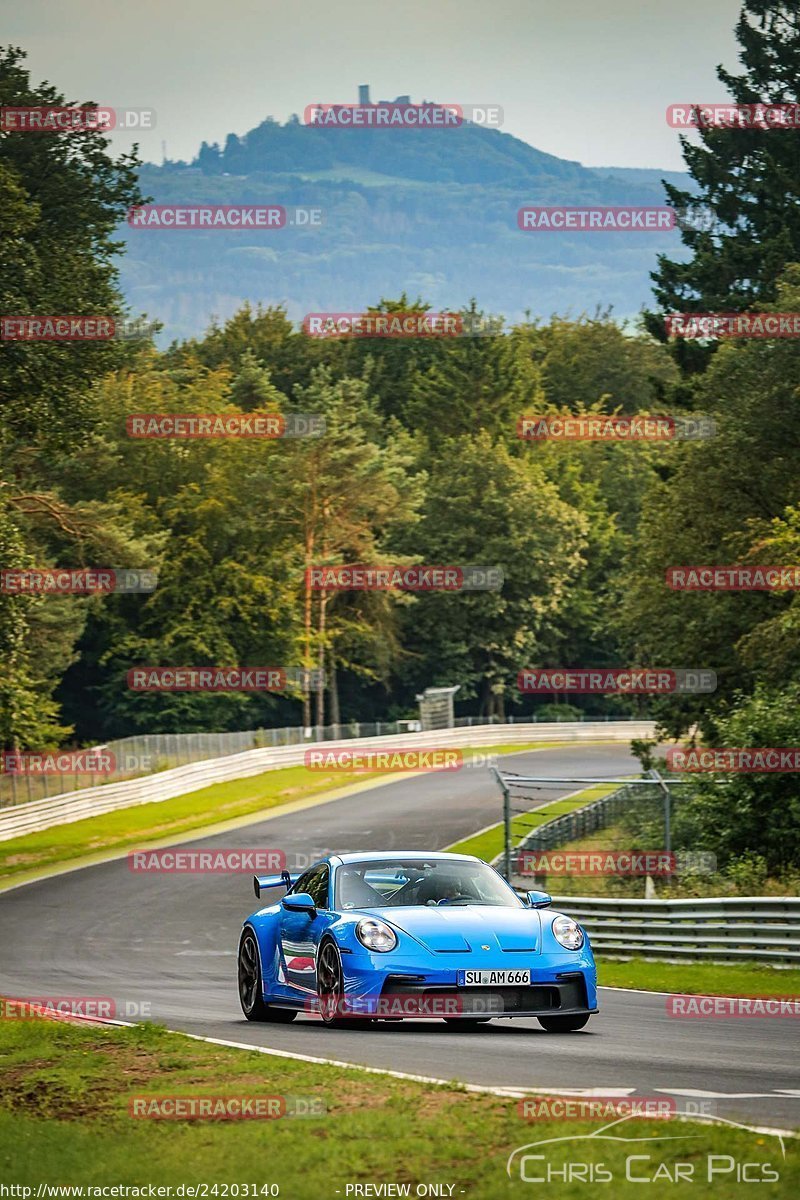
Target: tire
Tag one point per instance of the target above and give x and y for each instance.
(251, 991)
(466, 1023)
(330, 987)
(563, 1024)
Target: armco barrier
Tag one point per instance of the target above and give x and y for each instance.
(581, 821)
(73, 806)
(723, 929)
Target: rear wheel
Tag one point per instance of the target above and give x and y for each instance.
(251, 992)
(563, 1024)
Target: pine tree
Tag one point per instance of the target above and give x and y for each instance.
(748, 178)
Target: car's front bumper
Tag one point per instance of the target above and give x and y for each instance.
(560, 985)
(565, 995)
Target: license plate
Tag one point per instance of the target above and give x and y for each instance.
(493, 978)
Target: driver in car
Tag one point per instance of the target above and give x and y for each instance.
(448, 888)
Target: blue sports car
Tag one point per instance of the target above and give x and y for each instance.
(365, 937)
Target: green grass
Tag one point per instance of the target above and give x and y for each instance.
(699, 979)
(142, 824)
(64, 1119)
(489, 842)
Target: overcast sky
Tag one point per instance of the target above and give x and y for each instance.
(583, 79)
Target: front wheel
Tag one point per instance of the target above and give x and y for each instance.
(251, 992)
(330, 986)
(563, 1024)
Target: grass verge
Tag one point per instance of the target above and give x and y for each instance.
(139, 825)
(699, 979)
(65, 1093)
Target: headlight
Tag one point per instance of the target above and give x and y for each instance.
(376, 935)
(567, 933)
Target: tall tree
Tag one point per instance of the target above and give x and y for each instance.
(339, 497)
(748, 178)
(717, 505)
(488, 507)
(61, 198)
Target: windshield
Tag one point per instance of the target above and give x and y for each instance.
(393, 883)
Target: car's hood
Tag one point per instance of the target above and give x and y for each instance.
(450, 929)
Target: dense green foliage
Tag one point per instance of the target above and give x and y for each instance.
(232, 525)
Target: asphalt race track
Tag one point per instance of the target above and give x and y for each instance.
(169, 941)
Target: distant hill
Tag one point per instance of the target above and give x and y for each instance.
(428, 212)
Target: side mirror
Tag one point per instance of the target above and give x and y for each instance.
(299, 902)
(539, 899)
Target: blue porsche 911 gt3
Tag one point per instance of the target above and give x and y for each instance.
(371, 936)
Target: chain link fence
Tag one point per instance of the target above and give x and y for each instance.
(645, 803)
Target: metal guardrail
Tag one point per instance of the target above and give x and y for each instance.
(722, 929)
(73, 806)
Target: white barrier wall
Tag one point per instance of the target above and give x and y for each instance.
(150, 789)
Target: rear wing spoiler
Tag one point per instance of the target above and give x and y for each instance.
(263, 882)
